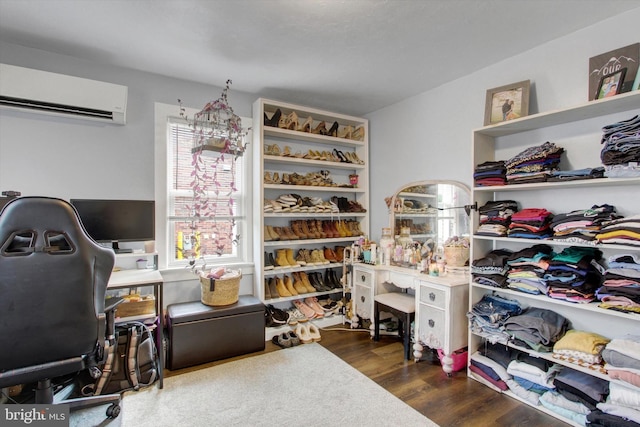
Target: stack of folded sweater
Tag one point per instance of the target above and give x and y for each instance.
(490, 173)
(536, 328)
(531, 223)
(622, 231)
(621, 151)
(581, 226)
(495, 217)
(622, 407)
(491, 270)
(583, 388)
(574, 275)
(534, 164)
(527, 268)
(582, 348)
(621, 287)
(488, 315)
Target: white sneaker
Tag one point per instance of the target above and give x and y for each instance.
(296, 316)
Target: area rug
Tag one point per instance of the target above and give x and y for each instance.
(305, 385)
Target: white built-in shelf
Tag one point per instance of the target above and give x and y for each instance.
(592, 109)
(324, 164)
(288, 270)
(310, 241)
(595, 182)
(315, 215)
(422, 195)
(552, 242)
(296, 188)
(302, 296)
(311, 137)
(416, 215)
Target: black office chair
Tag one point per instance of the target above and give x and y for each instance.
(53, 279)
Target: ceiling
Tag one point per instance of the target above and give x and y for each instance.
(353, 56)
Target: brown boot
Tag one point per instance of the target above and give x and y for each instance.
(290, 259)
(282, 289)
(281, 258)
(289, 285)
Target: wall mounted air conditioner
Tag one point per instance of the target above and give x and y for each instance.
(58, 94)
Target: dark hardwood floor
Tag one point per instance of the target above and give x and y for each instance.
(447, 401)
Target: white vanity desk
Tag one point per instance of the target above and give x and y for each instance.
(441, 304)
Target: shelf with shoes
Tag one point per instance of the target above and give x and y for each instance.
(326, 154)
(579, 131)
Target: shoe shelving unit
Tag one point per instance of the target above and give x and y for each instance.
(578, 130)
(300, 143)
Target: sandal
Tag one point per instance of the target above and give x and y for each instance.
(275, 150)
(346, 132)
(287, 151)
(340, 155)
(358, 134)
(306, 126)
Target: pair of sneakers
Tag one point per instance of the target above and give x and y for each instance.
(274, 317)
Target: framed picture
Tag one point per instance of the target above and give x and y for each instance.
(610, 62)
(507, 103)
(611, 84)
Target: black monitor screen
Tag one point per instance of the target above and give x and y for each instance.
(117, 220)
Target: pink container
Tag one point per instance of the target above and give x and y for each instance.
(459, 358)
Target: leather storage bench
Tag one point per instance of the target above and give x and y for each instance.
(199, 333)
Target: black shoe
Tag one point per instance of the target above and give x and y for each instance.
(268, 264)
(279, 317)
(273, 121)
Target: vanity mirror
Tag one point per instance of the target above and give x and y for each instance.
(432, 212)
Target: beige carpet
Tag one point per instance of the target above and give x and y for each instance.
(301, 386)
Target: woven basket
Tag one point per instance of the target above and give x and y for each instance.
(456, 256)
(221, 291)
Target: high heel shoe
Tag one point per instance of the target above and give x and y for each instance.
(306, 126)
(321, 129)
(274, 120)
(358, 134)
(289, 122)
(333, 131)
(341, 156)
(346, 132)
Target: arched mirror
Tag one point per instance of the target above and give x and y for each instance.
(431, 210)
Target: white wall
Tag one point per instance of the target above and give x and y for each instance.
(429, 136)
(41, 155)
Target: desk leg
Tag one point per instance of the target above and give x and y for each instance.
(160, 334)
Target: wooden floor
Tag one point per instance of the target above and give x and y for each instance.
(447, 401)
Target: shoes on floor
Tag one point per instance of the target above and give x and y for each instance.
(302, 331)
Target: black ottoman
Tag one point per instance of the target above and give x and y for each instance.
(200, 334)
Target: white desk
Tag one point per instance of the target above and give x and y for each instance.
(441, 304)
(144, 277)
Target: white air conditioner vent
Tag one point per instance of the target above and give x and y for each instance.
(59, 94)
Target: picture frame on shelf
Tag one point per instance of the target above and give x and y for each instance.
(611, 84)
(609, 62)
(507, 102)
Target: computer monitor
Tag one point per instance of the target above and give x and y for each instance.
(117, 220)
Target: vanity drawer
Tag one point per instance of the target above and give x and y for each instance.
(401, 280)
(433, 296)
(432, 328)
(363, 278)
(363, 302)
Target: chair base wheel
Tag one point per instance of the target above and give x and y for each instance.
(113, 410)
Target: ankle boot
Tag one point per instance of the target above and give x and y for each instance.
(267, 262)
(290, 259)
(338, 230)
(289, 285)
(329, 255)
(267, 291)
(282, 289)
(281, 258)
(298, 231)
(272, 233)
(319, 229)
(305, 281)
(300, 258)
(290, 234)
(339, 253)
(298, 285)
(273, 290)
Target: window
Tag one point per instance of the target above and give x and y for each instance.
(184, 235)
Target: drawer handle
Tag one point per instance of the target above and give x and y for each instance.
(363, 277)
(432, 323)
(362, 298)
(432, 296)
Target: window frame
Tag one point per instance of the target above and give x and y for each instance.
(164, 115)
